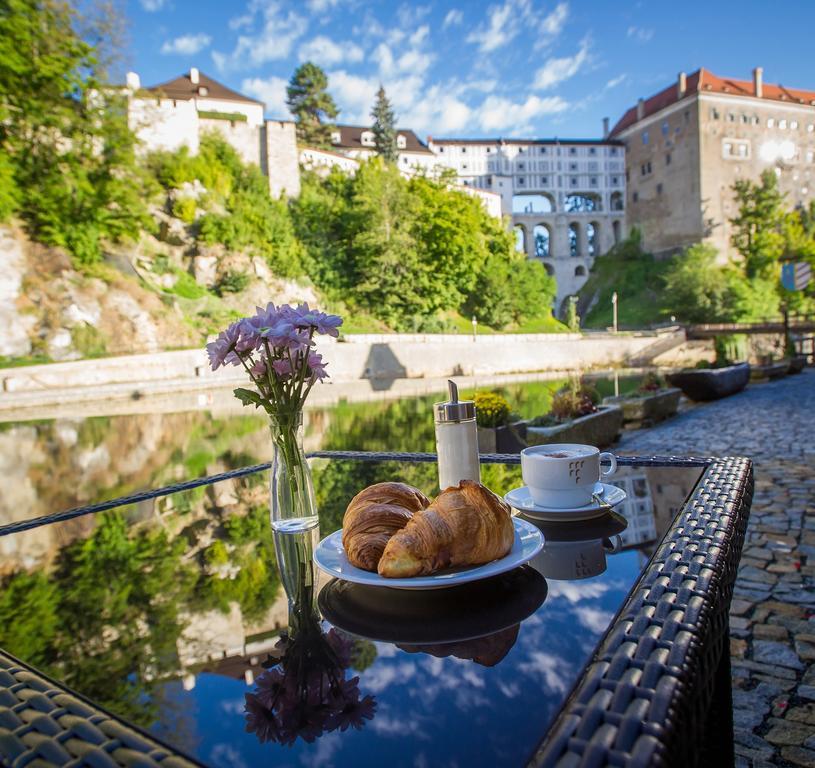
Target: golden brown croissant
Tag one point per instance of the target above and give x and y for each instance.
(373, 516)
(465, 525)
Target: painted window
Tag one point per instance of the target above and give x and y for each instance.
(542, 240)
(574, 240)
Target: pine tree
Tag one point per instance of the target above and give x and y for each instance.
(384, 127)
(311, 104)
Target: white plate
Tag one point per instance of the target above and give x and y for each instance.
(330, 557)
(610, 495)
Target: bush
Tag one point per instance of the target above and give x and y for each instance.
(652, 382)
(574, 401)
(491, 409)
(184, 208)
(232, 281)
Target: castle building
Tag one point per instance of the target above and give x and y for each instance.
(688, 144)
(566, 197)
(177, 113)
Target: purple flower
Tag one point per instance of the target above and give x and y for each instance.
(303, 317)
(221, 351)
(342, 646)
(260, 720)
(317, 367)
(355, 713)
(249, 338)
(259, 368)
(282, 368)
(264, 318)
(269, 686)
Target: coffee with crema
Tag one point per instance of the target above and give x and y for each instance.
(563, 475)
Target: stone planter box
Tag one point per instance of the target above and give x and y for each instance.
(797, 364)
(600, 429)
(646, 410)
(508, 439)
(770, 371)
(711, 383)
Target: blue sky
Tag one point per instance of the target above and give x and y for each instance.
(454, 68)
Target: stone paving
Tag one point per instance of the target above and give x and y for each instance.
(772, 617)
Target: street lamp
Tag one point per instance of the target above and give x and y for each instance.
(614, 311)
(475, 327)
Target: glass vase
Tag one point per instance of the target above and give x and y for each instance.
(293, 511)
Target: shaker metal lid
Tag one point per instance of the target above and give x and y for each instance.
(454, 409)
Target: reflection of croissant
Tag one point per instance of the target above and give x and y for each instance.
(466, 525)
(373, 516)
(486, 651)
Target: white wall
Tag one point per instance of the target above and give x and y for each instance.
(164, 124)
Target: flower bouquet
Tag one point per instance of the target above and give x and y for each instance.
(276, 348)
(306, 693)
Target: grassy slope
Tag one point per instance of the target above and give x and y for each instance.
(638, 282)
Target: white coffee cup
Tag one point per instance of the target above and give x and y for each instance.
(563, 475)
(572, 560)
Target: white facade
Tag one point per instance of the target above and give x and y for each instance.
(323, 160)
(566, 198)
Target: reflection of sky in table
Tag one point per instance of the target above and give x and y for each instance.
(430, 711)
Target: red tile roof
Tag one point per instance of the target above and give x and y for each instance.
(182, 88)
(705, 81)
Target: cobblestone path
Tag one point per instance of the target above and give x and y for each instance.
(772, 618)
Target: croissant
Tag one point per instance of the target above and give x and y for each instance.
(465, 525)
(373, 516)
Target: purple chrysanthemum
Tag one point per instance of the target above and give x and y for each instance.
(221, 351)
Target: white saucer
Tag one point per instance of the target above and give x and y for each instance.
(330, 557)
(609, 495)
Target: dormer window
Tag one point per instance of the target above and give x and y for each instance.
(367, 139)
(335, 137)
(203, 90)
(401, 141)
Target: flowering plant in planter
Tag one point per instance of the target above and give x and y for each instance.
(276, 348)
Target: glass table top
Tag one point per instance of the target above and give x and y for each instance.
(170, 611)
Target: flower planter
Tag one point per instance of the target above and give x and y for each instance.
(797, 364)
(646, 410)
(711, 383)
(600, 429)
(769, 371)
(507, 439)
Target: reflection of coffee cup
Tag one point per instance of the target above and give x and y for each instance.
(572, 560)
(563, 475)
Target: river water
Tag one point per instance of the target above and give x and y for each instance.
(54, 464)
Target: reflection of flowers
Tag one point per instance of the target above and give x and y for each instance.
(306, 694)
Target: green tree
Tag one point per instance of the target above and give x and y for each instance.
(64, 133)
(698, 290)
(758, 235)
(384, 127)
(312, 106)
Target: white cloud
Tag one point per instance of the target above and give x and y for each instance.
(321, 6)
(615, 81)
(453, 18)
(504, 22)
(556, 70)
(151, 6)
(410, 15)
(641, 34)
(271, 91)
(324, 51)
(279, 31)
(497, 113)
(353, 94)
(420, 35)
(554, 22)
(186, 44)
(595, 619)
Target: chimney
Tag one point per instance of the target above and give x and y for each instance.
(640, 109)
(758, 81)
(605, 127)
(681, 85)
(133, 81)
(194, 76)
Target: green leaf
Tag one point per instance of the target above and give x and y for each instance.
(248, 397)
